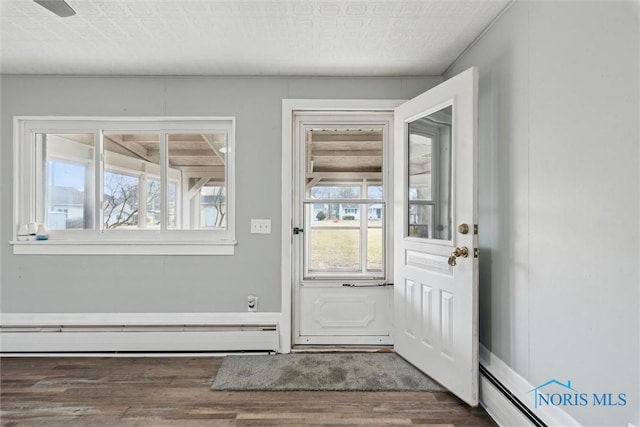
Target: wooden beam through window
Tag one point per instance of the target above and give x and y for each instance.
(131, 147)
(211, 144)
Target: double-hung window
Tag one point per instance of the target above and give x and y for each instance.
(126, 185)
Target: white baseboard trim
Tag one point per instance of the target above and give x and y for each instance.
(138, 332)
(502, 409)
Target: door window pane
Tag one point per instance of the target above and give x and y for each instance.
(344, 203)
(334, 250)
(421, 220)
(375, 192)
(334, 245)
(429, 166)
(335, 192)
(337, 245)
(375, 237)
(68, 180)
(420, 167)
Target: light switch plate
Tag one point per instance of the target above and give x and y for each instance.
(260, 226)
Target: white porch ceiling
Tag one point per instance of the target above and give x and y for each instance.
(227, 37)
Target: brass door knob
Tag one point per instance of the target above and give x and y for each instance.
(463, 228)
(457, 253)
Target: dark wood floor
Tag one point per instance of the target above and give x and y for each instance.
(174, 391)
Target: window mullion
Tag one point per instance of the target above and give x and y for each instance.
(307, 224)
(92, 198)
(194, 203)
(142, 198)
(41, 170)
(27, 199)
(99, 182)
(364, 225)
(164, 182)
(186, 203)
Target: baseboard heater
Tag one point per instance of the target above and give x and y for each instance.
(512, 399)
(138, 338)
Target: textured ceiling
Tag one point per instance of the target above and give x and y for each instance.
(228, 37)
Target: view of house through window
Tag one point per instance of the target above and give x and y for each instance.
(67, 180)
(212, 210)
(344, 202)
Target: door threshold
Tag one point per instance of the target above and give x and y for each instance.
(302, 348)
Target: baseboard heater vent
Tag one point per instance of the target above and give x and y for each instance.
(512, 398)
(141, 338)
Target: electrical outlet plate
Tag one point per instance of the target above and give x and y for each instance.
(252, 303)
(260, 226)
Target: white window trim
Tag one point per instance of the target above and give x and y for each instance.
(130, 242)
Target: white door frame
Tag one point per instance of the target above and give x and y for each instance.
(289, 106)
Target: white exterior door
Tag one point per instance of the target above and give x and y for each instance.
(435, 234)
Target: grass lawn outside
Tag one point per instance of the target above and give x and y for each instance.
(336, 245)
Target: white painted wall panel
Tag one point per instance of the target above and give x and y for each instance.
(559, 139)
(584, 200)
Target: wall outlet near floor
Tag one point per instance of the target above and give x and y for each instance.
(252, 303)
(260, 226)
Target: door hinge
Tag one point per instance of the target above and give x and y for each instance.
(476, 252)
(297, 230)
(475, 228)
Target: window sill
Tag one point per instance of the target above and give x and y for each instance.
(75, 247)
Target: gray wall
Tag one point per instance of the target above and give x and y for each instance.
(138, 284)
(559, 231)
